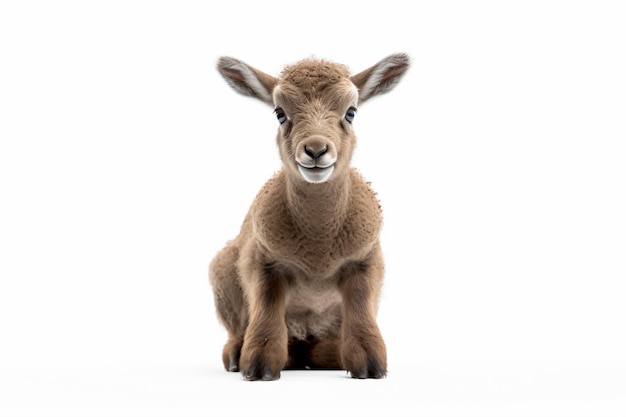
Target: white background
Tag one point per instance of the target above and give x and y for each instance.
(126, 163)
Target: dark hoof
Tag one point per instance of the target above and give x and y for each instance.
(257, 373)
(359, 373)
(233, 366)
(271, 376)
(372, 370)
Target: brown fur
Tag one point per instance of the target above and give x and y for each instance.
(299, 286)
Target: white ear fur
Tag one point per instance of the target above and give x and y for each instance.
(382, 77)
(246, 80)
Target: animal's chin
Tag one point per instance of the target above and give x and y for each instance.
(316, 175)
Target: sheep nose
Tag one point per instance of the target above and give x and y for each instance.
(314, 154)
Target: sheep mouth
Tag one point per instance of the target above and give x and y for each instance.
(316, 174)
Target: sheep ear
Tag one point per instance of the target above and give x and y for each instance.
(246, 79)
(382, 77)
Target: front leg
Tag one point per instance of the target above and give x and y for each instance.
(363, 351)
(264, 351)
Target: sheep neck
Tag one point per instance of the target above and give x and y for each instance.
(319, 210)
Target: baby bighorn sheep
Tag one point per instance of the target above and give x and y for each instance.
(299, 286)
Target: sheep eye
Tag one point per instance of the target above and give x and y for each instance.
(280, 115)
(350, 114)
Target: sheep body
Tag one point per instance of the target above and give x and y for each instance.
(299, 286)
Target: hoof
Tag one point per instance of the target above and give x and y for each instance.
(256, 375)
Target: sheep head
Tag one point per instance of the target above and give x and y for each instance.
(315, 102)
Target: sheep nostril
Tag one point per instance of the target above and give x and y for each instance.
(317, 154)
